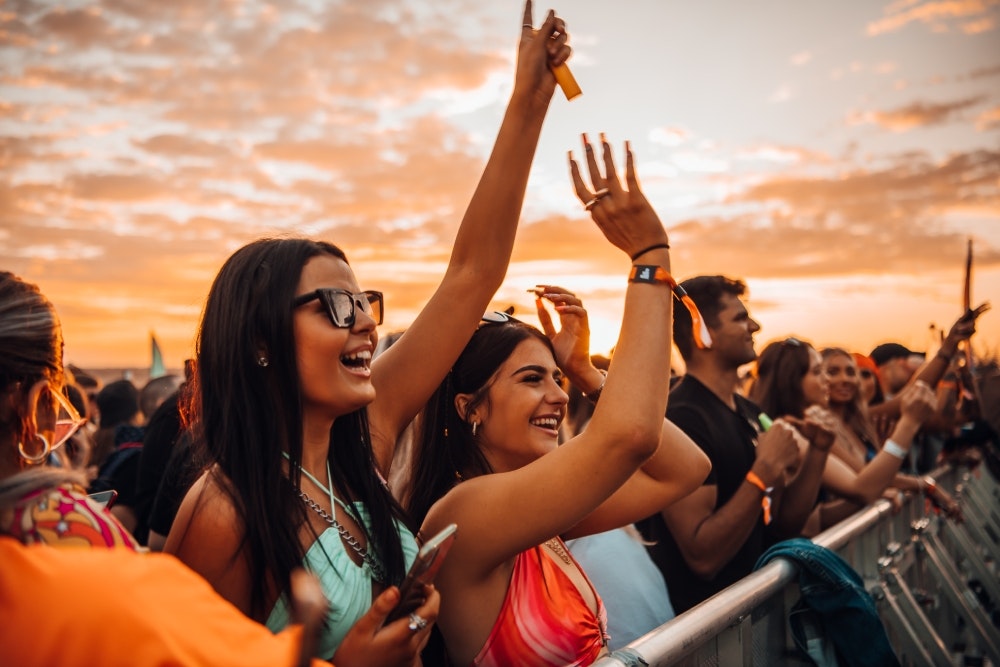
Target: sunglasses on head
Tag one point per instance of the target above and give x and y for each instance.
(498, 317)
(342, 306)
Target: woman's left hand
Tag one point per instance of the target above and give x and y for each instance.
(572, 340)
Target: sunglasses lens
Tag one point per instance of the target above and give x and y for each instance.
(342, 309)
(372, 302)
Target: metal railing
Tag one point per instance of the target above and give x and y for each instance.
(919, 568)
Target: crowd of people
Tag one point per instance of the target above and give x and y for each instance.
(290, 477)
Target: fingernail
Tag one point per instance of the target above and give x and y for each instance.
(603, 138)
(628, 146)
(570, 155)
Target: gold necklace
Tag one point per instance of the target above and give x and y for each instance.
(556, 546)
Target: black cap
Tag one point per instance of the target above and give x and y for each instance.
(886, 352)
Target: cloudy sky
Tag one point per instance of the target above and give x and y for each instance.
(836, 155)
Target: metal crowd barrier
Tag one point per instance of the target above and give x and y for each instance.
(935, 584)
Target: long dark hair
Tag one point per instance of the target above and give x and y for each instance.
(246, 415)
(855, 412)
(780, 369)
(445, 447)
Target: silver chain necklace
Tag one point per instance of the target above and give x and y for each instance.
(377, 571)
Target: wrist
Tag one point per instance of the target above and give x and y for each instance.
(598, 387)
(753, 479)
(895, 449)
(648, 250)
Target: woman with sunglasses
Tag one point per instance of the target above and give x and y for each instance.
(488, 456)
(301, 424)
(39, 503)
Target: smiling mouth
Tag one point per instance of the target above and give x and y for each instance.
(549, 423)
(358, 360)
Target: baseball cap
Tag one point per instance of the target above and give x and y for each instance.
(886, 352)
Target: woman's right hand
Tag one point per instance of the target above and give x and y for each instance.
(625, 216)
(538, 52)
(369, 644)
(918, 401)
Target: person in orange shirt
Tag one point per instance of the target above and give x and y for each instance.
(115, 607)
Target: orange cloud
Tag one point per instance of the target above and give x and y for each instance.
(917, 114)
(935, 14)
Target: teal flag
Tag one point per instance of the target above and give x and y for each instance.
(156, 368)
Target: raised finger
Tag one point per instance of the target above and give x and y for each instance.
(544, 318)
(595, 173)
(554, 289)
(563, 299)
(610, 174)
(578, 185)
(527, 21)
(630, 177)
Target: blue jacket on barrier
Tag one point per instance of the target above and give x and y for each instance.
(835, 621)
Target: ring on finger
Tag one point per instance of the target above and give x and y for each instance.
(417, 623)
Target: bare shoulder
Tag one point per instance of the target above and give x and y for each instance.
(207, 536)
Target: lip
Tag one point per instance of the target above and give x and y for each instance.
(551, 431)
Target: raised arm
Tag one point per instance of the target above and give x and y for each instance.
(676, 469)
(555, 491)
(932, 370)
(407, 374)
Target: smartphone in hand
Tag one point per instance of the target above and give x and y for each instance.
(104, 498)
(422, 572)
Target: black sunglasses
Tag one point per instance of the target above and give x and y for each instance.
(341, 305)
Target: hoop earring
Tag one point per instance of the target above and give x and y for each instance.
(262, 361)
(37, 458)
(475, 425)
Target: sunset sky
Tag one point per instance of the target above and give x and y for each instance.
(835, 155)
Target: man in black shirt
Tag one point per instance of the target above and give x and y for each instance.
(712, 538)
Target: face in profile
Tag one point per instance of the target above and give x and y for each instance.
(732, 337)
(334, 363)
(519, 421)
(815, 386)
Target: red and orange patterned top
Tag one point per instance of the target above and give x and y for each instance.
(64, 517)
(544, 621)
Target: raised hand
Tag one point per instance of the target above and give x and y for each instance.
(918, 401)
(819, 427)
(624, 216)
(572, 340)
(539, 51)
(778, 453)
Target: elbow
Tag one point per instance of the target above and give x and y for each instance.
(704, 568)
(642, 442)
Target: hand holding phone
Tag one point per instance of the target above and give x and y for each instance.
(422, 572)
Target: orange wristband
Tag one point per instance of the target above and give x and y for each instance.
(765, 502)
